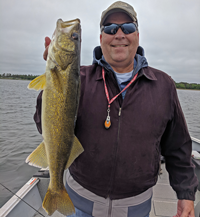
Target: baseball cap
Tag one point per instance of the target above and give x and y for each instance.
(119, 6)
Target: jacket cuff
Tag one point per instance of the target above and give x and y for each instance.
(186, 195)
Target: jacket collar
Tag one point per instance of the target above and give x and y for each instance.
(147, 72)
(139, 62)
(99, 73)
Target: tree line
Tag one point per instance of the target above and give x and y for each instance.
(16, 76)
(185, 85)
(180, 85)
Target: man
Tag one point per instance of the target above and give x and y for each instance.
(128, 115)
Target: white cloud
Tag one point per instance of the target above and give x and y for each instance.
(169, 33)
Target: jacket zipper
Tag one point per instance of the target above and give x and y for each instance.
(110, 188)
(109, 207)
(119, 111)
(119, 114)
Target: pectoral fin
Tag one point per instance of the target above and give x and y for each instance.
(38, 157)
(77, 149)
(38, 83)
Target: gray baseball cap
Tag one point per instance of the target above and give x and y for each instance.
(119, 6)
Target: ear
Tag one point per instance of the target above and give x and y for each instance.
(138, 36)
(100, 38)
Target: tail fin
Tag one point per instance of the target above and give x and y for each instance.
(58, 201)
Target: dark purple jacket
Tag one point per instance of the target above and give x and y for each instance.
(123, 161)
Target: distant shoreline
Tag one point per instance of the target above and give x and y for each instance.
(179, 86)
(186, 89)
(16, 79)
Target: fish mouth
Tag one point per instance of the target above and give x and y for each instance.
(68, 26)
(68, 23)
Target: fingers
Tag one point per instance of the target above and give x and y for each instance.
(47, 41)
(46, 44)
(185, 208)
(188, 209)
(45, 54)
(186, 214)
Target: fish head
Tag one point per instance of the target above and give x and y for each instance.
(66, 42)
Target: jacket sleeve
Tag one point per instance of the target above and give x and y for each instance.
(176, 146)
(37, 115)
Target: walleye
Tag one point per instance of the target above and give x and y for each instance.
(61, 90)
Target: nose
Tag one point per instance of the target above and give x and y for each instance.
(119, 34)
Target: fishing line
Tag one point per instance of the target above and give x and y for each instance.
(22, 200)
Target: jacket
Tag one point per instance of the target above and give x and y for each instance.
(123, 161)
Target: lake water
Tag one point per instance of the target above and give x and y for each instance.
(19, 136)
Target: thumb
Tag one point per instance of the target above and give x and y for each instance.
(47, 41)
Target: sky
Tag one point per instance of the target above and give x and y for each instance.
(169, 32)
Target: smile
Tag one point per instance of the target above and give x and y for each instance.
(119, 45)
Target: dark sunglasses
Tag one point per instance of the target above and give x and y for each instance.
(112, 28)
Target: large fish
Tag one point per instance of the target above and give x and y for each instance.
(60, 99)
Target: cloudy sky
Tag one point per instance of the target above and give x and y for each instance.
(169, 33)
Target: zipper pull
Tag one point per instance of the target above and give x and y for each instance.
(107, 122)
(119, 112)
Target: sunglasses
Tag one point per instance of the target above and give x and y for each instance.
(112, 28)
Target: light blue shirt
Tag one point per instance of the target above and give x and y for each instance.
(124, 78)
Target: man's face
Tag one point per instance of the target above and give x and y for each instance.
(119, 49)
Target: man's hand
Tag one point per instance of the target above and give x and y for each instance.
(185, 208)
(46, 44)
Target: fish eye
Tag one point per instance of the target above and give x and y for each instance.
(75, 36)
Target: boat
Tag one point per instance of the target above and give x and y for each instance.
(27, 202)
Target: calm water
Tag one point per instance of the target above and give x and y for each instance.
(19, 136)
